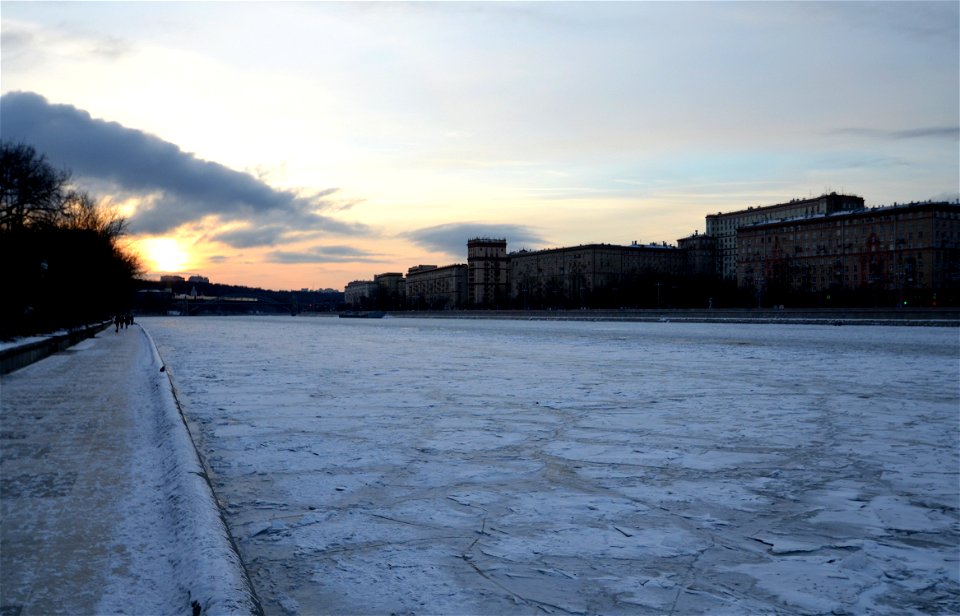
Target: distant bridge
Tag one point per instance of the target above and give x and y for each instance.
(257, 304)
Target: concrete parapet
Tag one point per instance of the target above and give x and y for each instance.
(936, 317)
(210, 560)
(17, 357)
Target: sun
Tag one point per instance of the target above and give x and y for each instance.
(165, 254)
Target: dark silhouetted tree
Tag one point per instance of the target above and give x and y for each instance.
(60, 256)
(32, 191)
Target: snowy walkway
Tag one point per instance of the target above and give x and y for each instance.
(104, 508)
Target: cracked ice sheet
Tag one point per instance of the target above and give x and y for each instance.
(421, 466)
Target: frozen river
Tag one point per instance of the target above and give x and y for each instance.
(408, 466)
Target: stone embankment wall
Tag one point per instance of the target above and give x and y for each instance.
(19, 356)
(942, 317)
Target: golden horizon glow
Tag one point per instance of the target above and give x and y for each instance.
(164, 254)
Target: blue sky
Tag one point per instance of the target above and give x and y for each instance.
(297, 145)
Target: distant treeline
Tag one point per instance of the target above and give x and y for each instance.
(155, 297)
(62, 261)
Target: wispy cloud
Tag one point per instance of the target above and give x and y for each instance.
(250, 237)
(27, 45)
(923, 132)
(452, 238)
(325, 254)
(920, 21)
(176, 186)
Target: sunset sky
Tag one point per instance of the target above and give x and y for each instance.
(291, 145)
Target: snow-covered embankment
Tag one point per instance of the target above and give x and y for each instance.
(204, 558)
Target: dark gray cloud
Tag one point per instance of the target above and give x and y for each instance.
(298, 224)
(266, 235)
(182, 187)
(325, 254)
(925, 132)
(452, 238)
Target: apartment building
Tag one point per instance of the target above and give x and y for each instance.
(359, 293)
(701, 254)
(827, 245)
(589, 275)
(429, 287)
(391, 289)
(724, 227)
(488, 271)
(904, 251)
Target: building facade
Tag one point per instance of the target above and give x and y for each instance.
(488, 273)
(724, 227)
(591, 275)
(905, 253)
(391, 291)
(359, 294)
(429, 287)
(807, 250)
(700, 252)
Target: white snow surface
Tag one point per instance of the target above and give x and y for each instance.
(25, 341)
(201, 554)
(141, 531)
(418, 466)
